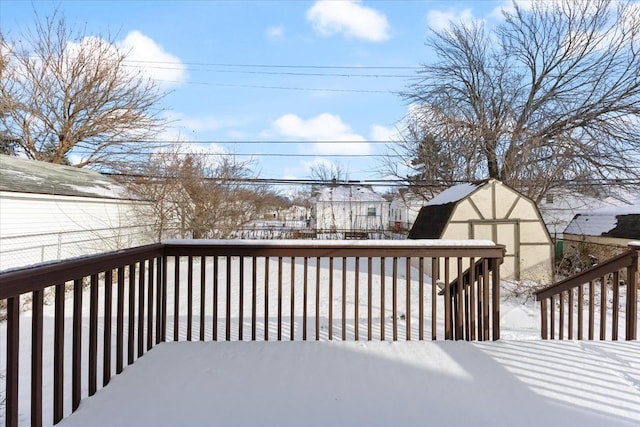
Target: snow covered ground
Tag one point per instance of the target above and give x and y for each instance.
(520, 380)
(506, 383)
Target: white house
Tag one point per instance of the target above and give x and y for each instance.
(347, 208)
(491, 210)
(50, 212)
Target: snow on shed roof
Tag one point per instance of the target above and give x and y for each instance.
(455, 193)
(435, 214)
(348, 193)
(612, 221)
(31, 176)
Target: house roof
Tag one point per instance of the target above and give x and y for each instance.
(435, 214)
(620, 222)
(35, 177)
(560, 210)
(347, 193)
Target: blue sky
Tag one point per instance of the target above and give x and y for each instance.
(262, 71)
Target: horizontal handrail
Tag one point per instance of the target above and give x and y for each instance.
(37, 277)
(616, 263)
(333, 248)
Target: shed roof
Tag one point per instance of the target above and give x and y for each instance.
(35, 177)
(431, 221)
(435, 214)
(619, 222)
(456, 193)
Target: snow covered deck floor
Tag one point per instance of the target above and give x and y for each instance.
(505, 383)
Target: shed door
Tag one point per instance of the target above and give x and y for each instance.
(505, 233)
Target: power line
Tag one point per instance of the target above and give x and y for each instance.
(281, 66)
(284, 73)
(227, 154)
(302, 89)
(397, 182)
(270, 142)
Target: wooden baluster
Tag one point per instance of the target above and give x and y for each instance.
(369, 299)
(603, 308)
(203, 293)
(591, 308)
(36, 358)
(382, 297)
(616, 302)
(561, 317)
(435, 263)
(93, 335)
(580, 311)
(408, 298)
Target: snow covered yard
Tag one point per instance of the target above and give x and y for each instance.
(506, 383)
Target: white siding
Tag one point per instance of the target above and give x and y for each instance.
(338, 215)
(39, 227)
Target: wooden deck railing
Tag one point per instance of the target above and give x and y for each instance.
(611, 293)
(475, 296)
(123, 303)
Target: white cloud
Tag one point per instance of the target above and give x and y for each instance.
(440, 19)
(275, 34)
(182, 127)
(350, 18)
(507, 6)
(383, 133)
(152, 59)
(324, 127)
(203, 123)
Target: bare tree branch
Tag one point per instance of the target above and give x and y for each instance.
(72, 93)
(550, 95)
(198, 196)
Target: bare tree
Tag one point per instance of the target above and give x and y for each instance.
(551, 95)
(328, 172)
(67, 92)
(196, 196)
(7, 144)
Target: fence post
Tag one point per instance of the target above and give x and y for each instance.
(59, 257)
(632, 294)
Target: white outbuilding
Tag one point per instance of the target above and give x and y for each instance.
(348, 208)
(50, 212)
(491, 210)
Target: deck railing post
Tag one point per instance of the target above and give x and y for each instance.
(36, 357)
(13, 340)
(496, 299)
(543, 319)
(632, 295)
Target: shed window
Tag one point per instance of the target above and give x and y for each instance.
(371, 212)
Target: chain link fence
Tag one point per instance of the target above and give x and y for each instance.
(20, 251)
